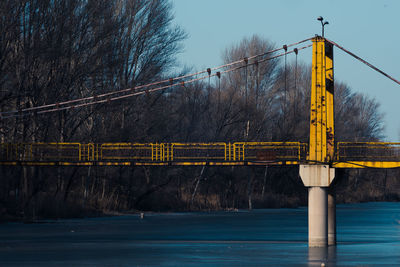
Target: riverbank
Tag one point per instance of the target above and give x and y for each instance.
(7, 218)
(224, 190)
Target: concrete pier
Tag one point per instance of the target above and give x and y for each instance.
(317, 217)
(331, 219)
(318, 178)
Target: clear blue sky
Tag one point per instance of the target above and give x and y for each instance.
(368, 28)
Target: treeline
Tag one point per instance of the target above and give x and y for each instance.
(57, 50)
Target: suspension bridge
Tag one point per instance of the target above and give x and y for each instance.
(347, 154)
(317, 159)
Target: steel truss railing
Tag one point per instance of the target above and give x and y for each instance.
(368, 151)
(154, 152)
(347, 154)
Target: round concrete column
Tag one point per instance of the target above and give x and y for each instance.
(331, 219)
(317, 217)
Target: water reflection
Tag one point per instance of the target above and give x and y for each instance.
(322, 256)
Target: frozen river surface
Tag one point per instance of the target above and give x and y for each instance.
(368, 235)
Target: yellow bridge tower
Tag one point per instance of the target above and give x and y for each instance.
(317, 175)
(321, 145)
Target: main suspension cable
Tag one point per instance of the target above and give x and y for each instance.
(363, 61)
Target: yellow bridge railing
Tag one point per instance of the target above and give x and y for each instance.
(43, 152)
(154, 152)
(368, 151)
(347, 154)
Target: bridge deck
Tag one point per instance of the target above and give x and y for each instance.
(348, 155)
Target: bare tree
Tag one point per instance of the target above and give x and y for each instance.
(357, 117)
(247, 95)
(51, 51)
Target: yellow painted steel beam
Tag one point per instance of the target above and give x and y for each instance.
(226, 163)
(273, 163)
(129, 163)
(113, 163)
(76, 163)
(321, 145)
(349, 164)
(150, 163)
(9, 163)
(330, 112)
(189, 163)
(316, 140)
(367, 164)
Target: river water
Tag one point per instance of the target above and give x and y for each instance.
(368, 235)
